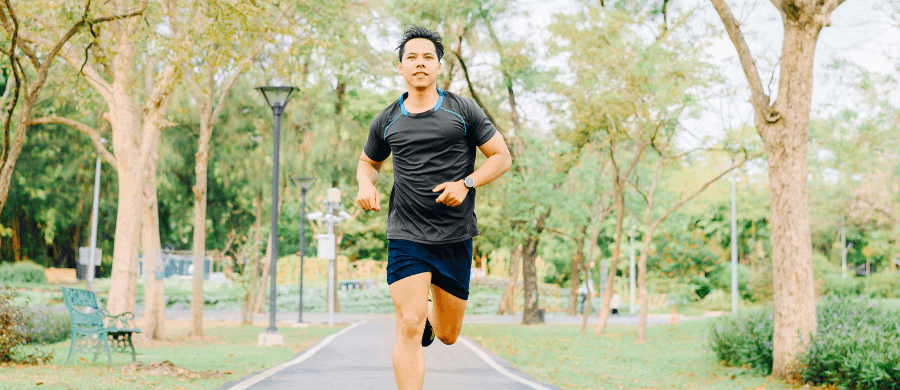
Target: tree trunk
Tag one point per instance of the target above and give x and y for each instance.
(154, 289)
(529, 273)
(614, 263)
(643, 297)
(784, 130)
(786, 142)
(200, 189)
(574, 271)
(507, 303)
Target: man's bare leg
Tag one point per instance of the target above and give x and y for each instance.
(446, 315)
(410, 296)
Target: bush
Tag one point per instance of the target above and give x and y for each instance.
(884, 284)
(23, 272)
(12, 327)
(45, 326)
(720, 278)
(837, 285)
(857, 345)
(745, 341)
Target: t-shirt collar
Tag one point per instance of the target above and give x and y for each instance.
(436, 106)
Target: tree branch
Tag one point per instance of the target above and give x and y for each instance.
(703, 188)
(758, 96)
(89, 131)
(465, 69)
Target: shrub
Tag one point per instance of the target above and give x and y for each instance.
(46, 326)
(884, 284)
(12, 327)
(23, 272)
(857, 345)
(837, 285)
(720, 278)
(745, 341)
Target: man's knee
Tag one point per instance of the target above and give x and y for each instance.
(410, 326)
(448, 335)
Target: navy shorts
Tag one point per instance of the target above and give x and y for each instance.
(450, 264)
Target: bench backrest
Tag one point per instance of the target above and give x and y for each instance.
(75, 299)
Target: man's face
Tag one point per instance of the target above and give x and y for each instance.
(420, 65)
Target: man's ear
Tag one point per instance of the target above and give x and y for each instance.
(400, 68)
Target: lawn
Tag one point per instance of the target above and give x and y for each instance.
(227, 352)
(673, 358)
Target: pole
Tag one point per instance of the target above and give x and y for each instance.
(302, 246)
(631, 273)
(843, 249)
(274, 236)
(734, 276)
(330, 217)
(94, 212)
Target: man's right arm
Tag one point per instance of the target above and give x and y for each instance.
(367, 175)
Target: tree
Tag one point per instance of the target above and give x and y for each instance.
(783, 126)
(29, 40)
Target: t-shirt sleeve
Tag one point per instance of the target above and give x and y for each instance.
(480, 129)
(376, 147)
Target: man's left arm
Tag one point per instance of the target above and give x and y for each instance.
(498, 162)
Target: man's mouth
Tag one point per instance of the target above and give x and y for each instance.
(420, 74)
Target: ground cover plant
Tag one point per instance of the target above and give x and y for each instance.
(226, 353)
(856, 346)
(673, 358)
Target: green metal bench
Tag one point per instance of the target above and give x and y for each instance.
(94, 330)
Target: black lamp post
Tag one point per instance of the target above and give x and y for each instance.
(277, 97)
(304, 183)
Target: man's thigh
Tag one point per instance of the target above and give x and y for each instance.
(410, 296)
(447, 314)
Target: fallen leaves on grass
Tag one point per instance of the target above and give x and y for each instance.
(166, 367)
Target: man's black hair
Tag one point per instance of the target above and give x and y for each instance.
(420, 32)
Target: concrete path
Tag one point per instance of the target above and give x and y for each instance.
(359, 358)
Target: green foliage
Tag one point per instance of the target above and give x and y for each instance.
(22, 272)
(884, 284)
(46, 326)
(682, 253)
(12, 327)
(745, 341)
(841, 286)
(857, 345)
(15, 332)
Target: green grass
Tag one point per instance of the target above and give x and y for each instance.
(672, 358)
(230, 350)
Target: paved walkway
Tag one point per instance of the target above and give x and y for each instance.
(359, 358)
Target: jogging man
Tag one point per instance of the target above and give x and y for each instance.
(433, 135)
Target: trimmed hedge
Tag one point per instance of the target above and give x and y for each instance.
(23, 272)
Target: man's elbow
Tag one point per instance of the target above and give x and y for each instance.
(507, 163)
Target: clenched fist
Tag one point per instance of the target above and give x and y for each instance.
(368, 198)
(454, 193)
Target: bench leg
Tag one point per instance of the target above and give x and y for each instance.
(131, 345)
(71, 347)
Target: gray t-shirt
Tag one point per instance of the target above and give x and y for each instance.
(429, 148)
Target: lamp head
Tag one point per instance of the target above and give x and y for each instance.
(303, 182)
(277, 97)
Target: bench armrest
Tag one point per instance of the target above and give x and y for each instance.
(117, 321)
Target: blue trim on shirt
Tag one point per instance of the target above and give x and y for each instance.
(465, 130)
(440, 99)
(436, 106)
(384, 135)
(402, 107)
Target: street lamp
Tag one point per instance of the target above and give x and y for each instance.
(303, 183)
(278, 98)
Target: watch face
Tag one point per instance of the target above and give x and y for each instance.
(469, 182)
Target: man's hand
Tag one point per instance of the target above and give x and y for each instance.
(367, 198)
(454, 193)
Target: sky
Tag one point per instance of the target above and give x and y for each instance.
(862, 34)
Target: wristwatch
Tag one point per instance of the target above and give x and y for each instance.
(469, 183)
